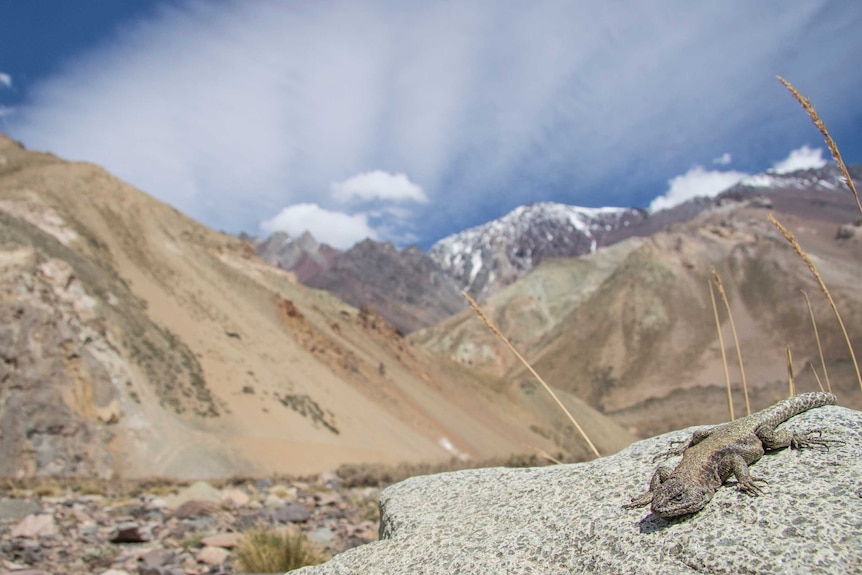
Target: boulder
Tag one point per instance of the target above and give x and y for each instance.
(570, 519)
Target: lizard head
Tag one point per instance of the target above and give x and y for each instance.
(673, 497)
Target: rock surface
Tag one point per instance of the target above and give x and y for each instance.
(569, 519)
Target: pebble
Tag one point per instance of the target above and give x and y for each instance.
(34, 526)
(213, 555)
(191, 532)
(225, 540)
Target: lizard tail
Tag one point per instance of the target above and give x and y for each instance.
(787, 408)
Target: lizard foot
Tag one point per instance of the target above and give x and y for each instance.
(676, 448)
(639, 501)
(812, 440)
(749, 485)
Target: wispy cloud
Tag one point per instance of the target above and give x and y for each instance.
(700, 182)
(235, 111)
(804, 158)
(697, 182)
(338, 229)
(378, 185)
(723, 160)
(5, 80)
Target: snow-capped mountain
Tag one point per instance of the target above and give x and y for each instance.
(487, 257)
(828, 177)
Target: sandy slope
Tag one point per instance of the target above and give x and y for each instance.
(220, 364)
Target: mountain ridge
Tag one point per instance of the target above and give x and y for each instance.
(173, 350)
(630, 329)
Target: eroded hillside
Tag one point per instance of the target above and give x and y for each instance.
(137, 342)
(630, 329)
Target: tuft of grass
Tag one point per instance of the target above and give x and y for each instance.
(723, 295)
(813, 269)
(265, 550)
(487, 321)
(723, 355)
(194, 540)
(830, 143)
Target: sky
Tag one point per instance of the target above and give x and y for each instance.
(410, 121)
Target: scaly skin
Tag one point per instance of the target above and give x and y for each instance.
(716, 453)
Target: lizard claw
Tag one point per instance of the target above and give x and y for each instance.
(749, 485)
(812, 440)
(676, 448)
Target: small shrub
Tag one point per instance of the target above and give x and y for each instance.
(194, 540)
(265, 550)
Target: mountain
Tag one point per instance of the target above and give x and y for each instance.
(411, 292)
(304, 256)
(630, 328)
(406, 287)
(487, 257)
(136, 342)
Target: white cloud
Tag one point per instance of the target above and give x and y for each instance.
(696, 182)
(723, 160)
(231, 110)
(5, 79)
(803, 158)
(337, 229)
(378, 185)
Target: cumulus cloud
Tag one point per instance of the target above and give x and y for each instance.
(5, 80)
(232, 110)
(378, 185)
(338, 229)
(723, 160)
(697, 182)
(804, 158)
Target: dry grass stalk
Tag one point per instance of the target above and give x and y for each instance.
(792, 240)
(819, 347)
(790, 372)
(487, 321)
(817, 377)
(723, 295)
(723, 356)
(544, 454)
(830, 143)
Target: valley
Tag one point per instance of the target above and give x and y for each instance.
(137, 342)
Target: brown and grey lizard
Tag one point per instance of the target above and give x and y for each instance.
(716, 453)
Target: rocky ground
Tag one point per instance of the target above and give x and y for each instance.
(165, 529)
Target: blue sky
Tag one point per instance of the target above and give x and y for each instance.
(410, 121)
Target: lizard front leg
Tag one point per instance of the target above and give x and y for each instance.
(746, 482)
(678, 447)
(660, 476)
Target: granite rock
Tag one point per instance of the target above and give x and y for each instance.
(569, 518)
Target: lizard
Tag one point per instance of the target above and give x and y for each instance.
(715, 453)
